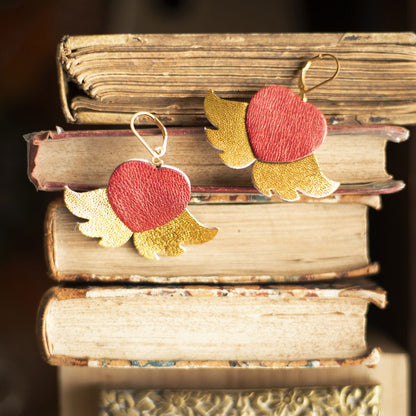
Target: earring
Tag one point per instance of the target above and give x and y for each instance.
(278, 132)
(144, 200)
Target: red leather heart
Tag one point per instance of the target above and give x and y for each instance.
(281, 127)
(145, 197)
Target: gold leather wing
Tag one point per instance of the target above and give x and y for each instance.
(167, 239)
(103, 222)
(286, 179)
(231, 136)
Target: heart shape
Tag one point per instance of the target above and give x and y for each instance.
(145, 196)
(283, 128)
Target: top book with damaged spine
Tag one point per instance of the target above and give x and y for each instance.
(104, 79)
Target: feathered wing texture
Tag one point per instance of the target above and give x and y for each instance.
(167, 239)
(286, 179)
(231, 136)
(103, 223)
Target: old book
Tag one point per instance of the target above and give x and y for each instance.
(259, 240)
(268, 402)
(318, 325)
(169, 74)
(86, 159)
(80, 387)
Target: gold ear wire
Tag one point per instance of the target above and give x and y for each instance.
(159, 151)
(302, 83)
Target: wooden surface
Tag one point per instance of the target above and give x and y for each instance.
(86, 159)
(169, 75)
(79, 387)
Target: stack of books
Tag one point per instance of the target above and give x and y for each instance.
(272, 312)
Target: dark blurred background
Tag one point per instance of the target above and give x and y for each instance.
(30, 32)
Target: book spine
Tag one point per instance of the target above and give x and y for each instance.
(63, 81)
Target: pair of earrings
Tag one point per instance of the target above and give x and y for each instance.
(277, 131)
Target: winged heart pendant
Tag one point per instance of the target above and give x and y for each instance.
(278, 133)
(143, 200)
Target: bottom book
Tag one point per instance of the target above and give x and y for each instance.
(289, 401)
(383, 389)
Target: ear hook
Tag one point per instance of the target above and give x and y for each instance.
(302, 84)
(159, 151)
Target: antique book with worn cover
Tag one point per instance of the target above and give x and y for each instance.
(336, 400)
(106, 78)
(85, 159)
(259, 240)
(294, 326)
(383, 388)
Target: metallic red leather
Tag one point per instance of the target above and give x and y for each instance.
(145, 196)
(283, 128)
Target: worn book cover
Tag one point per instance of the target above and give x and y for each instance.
(258, 240)
(355, 156)
(195, 326)
(387, 385)
(106, 78)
